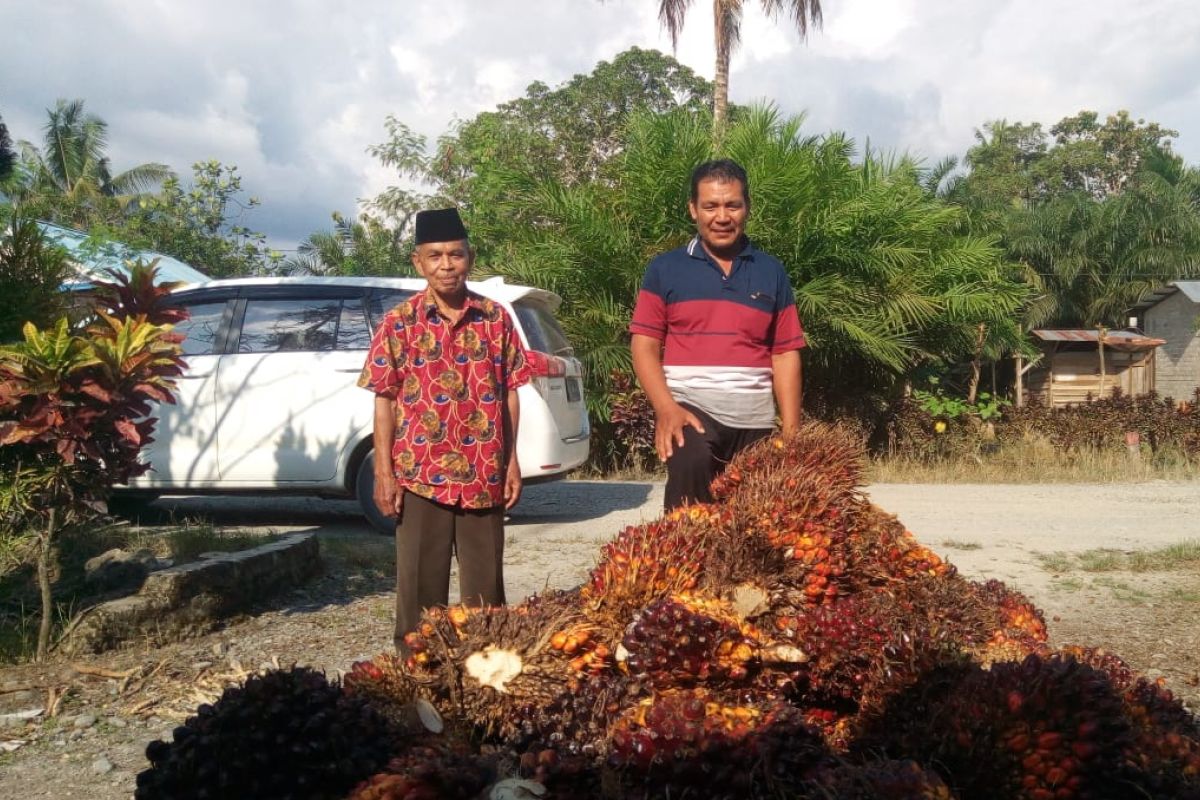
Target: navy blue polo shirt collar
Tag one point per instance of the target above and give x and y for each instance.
(695, 249)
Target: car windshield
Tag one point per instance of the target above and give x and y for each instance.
(542, 329)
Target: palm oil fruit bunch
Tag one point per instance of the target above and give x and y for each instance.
(1042, 729)
(288, 733)
(1019, 616)
(692, 742)
(878, 780)
(643, 563)
(1165, 747)
(861, 650)
(429, 772)
(683, 640)
(383, 682)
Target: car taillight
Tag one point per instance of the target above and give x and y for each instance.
(545, 365)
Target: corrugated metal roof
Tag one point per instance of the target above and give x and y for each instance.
(91, 258)
(1190, 289)
(1129, 340)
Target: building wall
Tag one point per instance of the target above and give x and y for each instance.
(1076, 376)
(1177, 363)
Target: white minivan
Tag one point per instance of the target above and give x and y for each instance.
(269, 402)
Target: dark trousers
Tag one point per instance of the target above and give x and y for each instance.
(691, 468)
(427, 536)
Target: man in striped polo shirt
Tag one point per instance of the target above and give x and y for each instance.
(715, 339)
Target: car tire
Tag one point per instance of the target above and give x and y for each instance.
(135, 508)
(364, 490)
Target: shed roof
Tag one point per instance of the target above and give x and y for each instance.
(1190, 289)
(90, 259)
(1120, 340)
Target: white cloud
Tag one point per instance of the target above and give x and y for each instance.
(293, 92)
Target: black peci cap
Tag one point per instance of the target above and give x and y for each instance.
(440, 225)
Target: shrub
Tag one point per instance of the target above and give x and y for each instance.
(75, 413)
(31, 274)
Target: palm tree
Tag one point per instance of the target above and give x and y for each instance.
(72, 174)
(363, 246)
(885, 279)
(727, 29)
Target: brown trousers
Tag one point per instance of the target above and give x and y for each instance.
(427, 536)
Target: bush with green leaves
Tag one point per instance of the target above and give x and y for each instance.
(75, 412)
(32, 272)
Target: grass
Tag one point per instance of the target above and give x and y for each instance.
(1054, 562)
(1031, 462)
(19, 601)
(1171, 558)
(955, 544)
(376, 554)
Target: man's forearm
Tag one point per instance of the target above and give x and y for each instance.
(786, 378)
(384, 436)
(647, 366)
(511, 424)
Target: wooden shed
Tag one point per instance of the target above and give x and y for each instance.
(1076, 364)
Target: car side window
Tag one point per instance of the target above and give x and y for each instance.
(542, 329)
(201, 328)
(281, 326)
(353, 331)
(384, 301)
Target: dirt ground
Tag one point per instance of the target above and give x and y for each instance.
(110, 706)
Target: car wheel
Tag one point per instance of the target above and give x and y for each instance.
(364, 490)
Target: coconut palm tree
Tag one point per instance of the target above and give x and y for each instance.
(71, 174)
(727, 29)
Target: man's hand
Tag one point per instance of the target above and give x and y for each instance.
(512, 483)
(388, 498)
(668, 429)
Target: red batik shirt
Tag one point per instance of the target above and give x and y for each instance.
(449, 383)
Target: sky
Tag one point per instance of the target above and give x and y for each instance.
(294, 91)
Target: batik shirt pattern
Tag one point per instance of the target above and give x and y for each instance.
(449, 382)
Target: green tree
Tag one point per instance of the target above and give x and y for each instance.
(70, 178)
(1093, 214)
(569, 134)
(363, 246)
(884, 280)
(8, 158)
(727, 34)
(31, 274)
(200, 225)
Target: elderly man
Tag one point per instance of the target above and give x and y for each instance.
(444, 365)
(715, 339)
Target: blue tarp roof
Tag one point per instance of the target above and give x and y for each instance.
(91, 258)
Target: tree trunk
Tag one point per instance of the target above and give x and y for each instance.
(723, 18)
(976, 364)
(43, 571)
